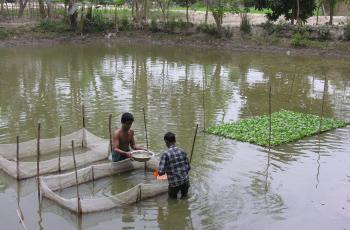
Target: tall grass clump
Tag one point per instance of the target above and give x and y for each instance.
(52, 26)
(3, 33)
(245, 26)
(97, 23)
(347, 32)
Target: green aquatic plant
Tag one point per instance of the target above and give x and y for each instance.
(286, 126)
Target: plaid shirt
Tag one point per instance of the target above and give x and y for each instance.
(174, 163)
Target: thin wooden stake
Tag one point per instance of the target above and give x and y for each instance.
(270, 120)
(38, 159)
(194, 141)
(83, 114)
(323, 99)
(110, 132)
(60, 151)
(203, 95)
(76, 179)
(17, 157)
(144, 120)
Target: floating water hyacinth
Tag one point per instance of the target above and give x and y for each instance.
(286, 126)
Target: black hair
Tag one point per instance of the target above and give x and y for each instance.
(170, 137)
(126, 117)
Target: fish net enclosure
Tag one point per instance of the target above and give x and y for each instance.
(94, 149)
(50, 184)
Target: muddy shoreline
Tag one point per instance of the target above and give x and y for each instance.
(238, 44)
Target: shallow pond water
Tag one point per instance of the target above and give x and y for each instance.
(234, 185)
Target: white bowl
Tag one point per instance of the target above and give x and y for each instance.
(142, 155)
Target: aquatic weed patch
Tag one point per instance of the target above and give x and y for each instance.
(286, 126)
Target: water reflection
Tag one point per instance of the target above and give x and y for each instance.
(234, 185)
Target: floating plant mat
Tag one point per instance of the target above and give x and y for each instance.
(286, 126)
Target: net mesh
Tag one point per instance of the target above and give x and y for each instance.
(96, 149)
(49, 184)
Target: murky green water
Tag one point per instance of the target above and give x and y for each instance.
(234, 185)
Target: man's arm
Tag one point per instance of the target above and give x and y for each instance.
(116, 146)
(162, 165)
(133, 144)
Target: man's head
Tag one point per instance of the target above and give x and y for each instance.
(127, 120)
(169, 139)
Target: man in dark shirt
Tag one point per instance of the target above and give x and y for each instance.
(174, 163)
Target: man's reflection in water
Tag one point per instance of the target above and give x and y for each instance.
(175, 215)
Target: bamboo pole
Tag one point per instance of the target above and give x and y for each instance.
(144, 120)
(76, 179)
(203, 95)
(17, 157)
(60, 151)
(270, 120)
(83, 114)
(110, 132)
(194, 141)
(38, 159)
(322, 108)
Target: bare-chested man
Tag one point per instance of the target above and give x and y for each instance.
(123, 138)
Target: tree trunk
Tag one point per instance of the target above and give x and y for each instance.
(116, 20)
(331, 12)
(187, 6)
(218, 21)
(145, 11)
(206, 13)
(317, 13)
(2, 9)
(49, 10)
(42, 9)
(22, 6)
(72, 15)
(298, 11)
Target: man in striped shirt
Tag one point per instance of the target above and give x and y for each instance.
(174, 163)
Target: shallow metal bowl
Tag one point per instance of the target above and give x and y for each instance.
(142, 155)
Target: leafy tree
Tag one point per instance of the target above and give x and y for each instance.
(331, 4)
(187, 4)
(290, 9)
(219, 7)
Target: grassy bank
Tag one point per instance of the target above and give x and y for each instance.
(265, 37)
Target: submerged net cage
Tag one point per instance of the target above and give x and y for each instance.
(95, 149)
(50, 184)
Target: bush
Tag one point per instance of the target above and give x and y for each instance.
(170, 25)
(268, 27)
(300, 40)
(52, 26)
(323, 32)
(245, 26)
(97, 23)
(3, 33)
(228, 32)
(124, 24)
(347, 32)
(154, 26)
(207, 28)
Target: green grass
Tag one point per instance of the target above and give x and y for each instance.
(3, 33)
(287, 126)
(202, 7)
